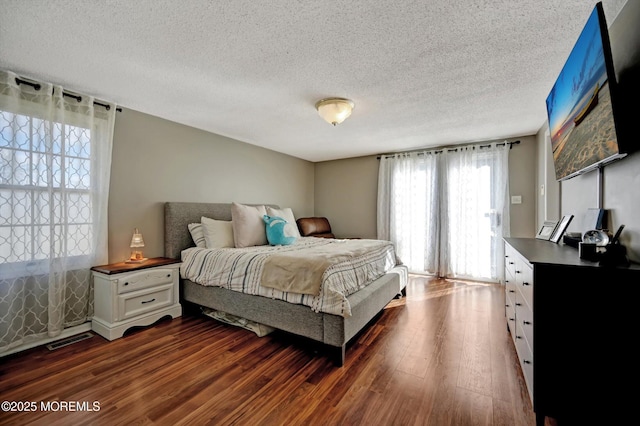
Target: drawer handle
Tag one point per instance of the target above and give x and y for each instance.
(507, 305)
(148, 301)
(517, 272)
(526, 322)
(511, 263)
(518, 304)
(168, 275)
(126, 283)
(525, 283)
(526, 361)
(512, 291)
(518, 337)
(512, 319)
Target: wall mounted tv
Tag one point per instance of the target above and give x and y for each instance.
(582, 105)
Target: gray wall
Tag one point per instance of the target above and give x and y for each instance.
(547, 188)
(621, 199)
(522, 177)
(155, 160)
(346, 192)
(621, 180)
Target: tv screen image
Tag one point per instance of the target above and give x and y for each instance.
(579, 107)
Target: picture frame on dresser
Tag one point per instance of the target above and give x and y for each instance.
(562, 226)
(593, 219)
(547, 230)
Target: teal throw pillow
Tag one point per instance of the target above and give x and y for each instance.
(277, 234)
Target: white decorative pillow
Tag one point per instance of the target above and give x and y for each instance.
(217, 233)
(291, 228)
(197, 234)
(248, 225)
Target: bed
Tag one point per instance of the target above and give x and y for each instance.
(334, 330)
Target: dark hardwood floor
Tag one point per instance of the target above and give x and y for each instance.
(440, 356)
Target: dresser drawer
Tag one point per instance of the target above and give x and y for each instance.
(145, 279)
(510, 303)
(143, 301)
(525, 321)
(525, 355)
(509, 263)
(525, 282)
(510, 313)
(510, 292)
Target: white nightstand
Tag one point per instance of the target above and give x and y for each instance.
(134, 294)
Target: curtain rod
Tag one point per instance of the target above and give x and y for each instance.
(38, 86)
(448, 149)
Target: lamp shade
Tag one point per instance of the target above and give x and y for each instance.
(136, 240)
(334, 110)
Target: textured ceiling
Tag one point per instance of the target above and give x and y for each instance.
(421, 73)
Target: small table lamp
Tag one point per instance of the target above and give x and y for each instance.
(136, 243)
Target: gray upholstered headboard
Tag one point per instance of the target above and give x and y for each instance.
(177, 215)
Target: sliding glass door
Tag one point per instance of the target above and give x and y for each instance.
(475, 193)
(446, 210)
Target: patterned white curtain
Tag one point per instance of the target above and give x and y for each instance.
(446, 210)
(408, 208)
(55, 160)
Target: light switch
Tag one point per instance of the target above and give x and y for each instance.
(516, 199)
(542, 190)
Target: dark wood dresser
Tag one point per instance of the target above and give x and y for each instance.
(575, 326)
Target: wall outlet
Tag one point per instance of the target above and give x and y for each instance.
(516, 199)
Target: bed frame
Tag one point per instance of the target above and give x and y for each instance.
(333, 330)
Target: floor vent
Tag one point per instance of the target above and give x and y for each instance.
(69, 341)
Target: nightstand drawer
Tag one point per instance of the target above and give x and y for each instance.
(140, 302)
(144, 279)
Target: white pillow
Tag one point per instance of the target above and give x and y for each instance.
(248, 225)
(217, 233)
(291, 228)
(197, 234)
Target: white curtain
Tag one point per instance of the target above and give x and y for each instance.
(446, 210)
(408, 208)
(55, 160)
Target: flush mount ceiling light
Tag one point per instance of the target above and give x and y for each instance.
(334, 110)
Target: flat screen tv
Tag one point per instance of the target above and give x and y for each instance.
(582, 104)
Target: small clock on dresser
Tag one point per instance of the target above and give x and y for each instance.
(128, 295)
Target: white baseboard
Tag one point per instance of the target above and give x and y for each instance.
(67, 332)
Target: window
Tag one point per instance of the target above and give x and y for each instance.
(45, 189)
(55, 163)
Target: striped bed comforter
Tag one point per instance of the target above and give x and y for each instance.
(241, 269)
